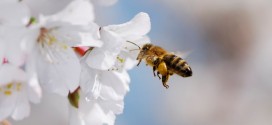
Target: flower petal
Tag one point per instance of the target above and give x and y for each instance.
(114, 85)
(2, 51)
(94, 114)
(87, 78)
(22, 108)
(137, 27)
(113, 106)
(75, 35)
(34, 91)
(16, 102)
(58, 69)
(7, 105)
(104, 58)
(45, 7)
(78, 12)
(18, 43)
(75, 117)
(9, 73)
(13, 13)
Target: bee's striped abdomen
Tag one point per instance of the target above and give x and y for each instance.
(177, 65)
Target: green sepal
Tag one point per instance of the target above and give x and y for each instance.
(74, 98)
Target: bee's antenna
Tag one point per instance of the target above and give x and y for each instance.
(134, 44)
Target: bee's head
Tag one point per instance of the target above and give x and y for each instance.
(144, 50)
(146, 47)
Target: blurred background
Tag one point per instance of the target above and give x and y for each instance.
(231, 55)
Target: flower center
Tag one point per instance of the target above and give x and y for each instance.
(49, 46)
(11, 87)
(46, 38)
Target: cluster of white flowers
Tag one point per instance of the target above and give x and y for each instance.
(62, 50)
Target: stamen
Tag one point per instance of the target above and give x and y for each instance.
(18, 86)
(121, 60)
(52, 40)
(42, 36)
(48, 44)
(7, 92)
(9, 86)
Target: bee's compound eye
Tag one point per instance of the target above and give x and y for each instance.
(145, 48)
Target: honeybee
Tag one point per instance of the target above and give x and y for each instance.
(165, 63)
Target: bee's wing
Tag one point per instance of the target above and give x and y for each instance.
(183, 54)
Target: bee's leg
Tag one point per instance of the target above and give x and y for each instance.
(154, 69)
(158, 74)
(162, 69)
(164, 81)
(139, 62)
(156, 62)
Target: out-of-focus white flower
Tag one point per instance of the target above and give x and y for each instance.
(15, 41)
(45, 7)
(14, 16)
(13, 13)
(115, 37)
(2, 46)
(57, 65)
(76, 8)
(78, 12)
(16, 90)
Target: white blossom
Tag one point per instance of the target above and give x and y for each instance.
(56, 64)
(105, 56)
(13, 13)
(78, 12)
(103, 89)
(103, 84)
(14, 16)
(115, 37)
(102, 95)
(16, 90)
(134, 31)
(95, 112)
(45, 7)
